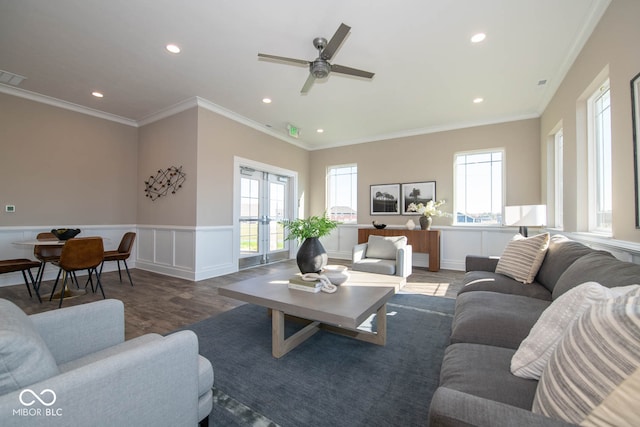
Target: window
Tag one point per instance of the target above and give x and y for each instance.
(600, 186)
(249, 201)
(479, 187)
(342, 193)
(558, 179)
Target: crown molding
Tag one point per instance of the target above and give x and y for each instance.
(197, 101)
(594, 17)
(181, 106)
(432, 129)
(215, 108)
(43, 99)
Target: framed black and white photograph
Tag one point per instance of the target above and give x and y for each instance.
(635, 110)
(385, 199)
(417, 192)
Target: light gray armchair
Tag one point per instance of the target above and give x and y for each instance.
(383, 255)
(73, 367)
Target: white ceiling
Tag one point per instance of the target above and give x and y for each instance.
(427, 72)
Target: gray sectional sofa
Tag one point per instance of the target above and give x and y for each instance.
(493, 314)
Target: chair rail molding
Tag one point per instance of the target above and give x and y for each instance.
(201, 252)
(459, 241)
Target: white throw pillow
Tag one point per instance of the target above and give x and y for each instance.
(523, 257)
(592, 377)
(535, 351)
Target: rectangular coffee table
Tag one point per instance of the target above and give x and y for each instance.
(341, 312)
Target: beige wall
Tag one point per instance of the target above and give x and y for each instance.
(64, 168)
(430, 158)
(613, 46)
(169, 142)
(221, 139)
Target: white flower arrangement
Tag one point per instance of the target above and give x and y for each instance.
(429, 210)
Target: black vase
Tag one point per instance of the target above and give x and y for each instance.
(311, 256)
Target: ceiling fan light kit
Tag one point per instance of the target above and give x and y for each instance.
(320, 68)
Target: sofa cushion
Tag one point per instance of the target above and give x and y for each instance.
(522, 257)
(601, 267)
(483, 371)
(377, 266)
(493, 282)
(594, 371)
(561, 253)
(534, 352)
(493, 318)
(24, 357)
(384, 247)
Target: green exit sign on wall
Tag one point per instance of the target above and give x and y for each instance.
(294, 131)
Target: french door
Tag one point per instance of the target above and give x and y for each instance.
(264, 202)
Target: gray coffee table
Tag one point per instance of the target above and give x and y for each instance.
(341, 312)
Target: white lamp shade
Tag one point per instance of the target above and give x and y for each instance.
(526, 215)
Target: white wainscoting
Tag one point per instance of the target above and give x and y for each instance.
(459, 241)
(112, 234)
(193, 253)
(197, 253)
(455, 243)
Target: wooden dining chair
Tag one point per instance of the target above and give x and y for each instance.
(121, 254)
(83, 253)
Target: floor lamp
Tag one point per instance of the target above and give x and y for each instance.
(525, 216)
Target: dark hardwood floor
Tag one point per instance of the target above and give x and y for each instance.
(161, 304)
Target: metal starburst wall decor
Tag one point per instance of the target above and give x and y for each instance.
(166, 181)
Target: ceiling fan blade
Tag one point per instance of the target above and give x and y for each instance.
(308, 83)
(285, 59)
(335, 41)
(335, 68)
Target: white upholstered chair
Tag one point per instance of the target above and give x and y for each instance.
(383, 255)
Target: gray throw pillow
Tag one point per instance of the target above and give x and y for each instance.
(385, 247)
(24, 357)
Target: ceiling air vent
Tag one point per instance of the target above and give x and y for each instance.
(10, 78)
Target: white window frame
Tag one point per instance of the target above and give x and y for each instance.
(503, 169)
(558, 179)
(354, 196)
(596, 152)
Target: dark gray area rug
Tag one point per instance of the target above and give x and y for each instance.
(329, 380)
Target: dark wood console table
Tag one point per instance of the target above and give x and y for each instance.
(422, 241)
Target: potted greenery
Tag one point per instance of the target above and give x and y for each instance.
(311, 257)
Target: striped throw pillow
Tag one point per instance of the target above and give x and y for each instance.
(593, 377)
(536, 349)
(523, 257)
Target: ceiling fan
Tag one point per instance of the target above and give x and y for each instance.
(320, 67)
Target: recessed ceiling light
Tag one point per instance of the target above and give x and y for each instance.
(97, 94)
(478, 100)
(477, 38)
(173, 48)
(266, 100)
(320, 130)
